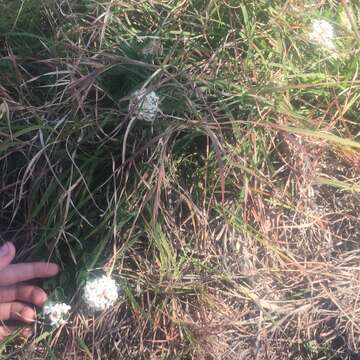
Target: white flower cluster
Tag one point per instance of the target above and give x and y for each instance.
(322, 34)
(100, 293)
(57, 313)
(144, 106)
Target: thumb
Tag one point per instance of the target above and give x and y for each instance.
(7, 254)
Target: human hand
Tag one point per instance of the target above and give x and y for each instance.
(14, 295)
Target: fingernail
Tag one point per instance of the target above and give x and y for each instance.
(4, 250)
(42, 298)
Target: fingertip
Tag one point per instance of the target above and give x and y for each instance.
(26, 332)
(53, 269)
(4, 331)
(28, 314)
(12, 249)
(39, 297)
(45, 269)
(7, 254)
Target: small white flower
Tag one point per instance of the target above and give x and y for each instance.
(100, 293)
(322, 34)
(56, 313)
(144, 106)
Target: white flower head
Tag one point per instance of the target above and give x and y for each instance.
(144, 105)
(100, 293)
(322, 34)
(57, 313)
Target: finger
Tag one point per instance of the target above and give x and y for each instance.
(17, 311)
(7, 254)
(5, 331)
(27, 332)
(15, 273)
(27, 293)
